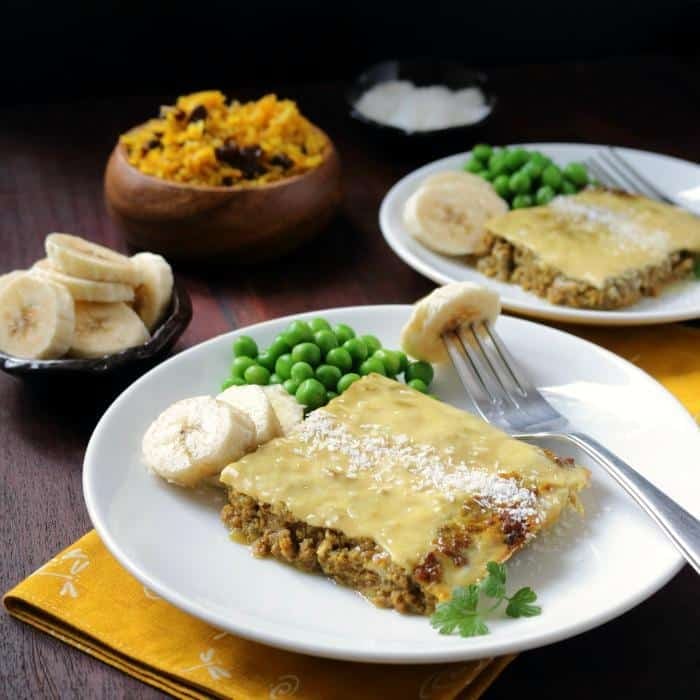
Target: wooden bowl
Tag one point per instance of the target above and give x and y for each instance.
(216, 224)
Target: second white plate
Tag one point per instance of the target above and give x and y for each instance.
(588, 571)
(678, 179)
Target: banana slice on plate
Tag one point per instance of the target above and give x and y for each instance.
(37, 318)
(443, 310)
(105, 329)
(252, 400)
(196, 438)
(449, 211)
(9, 276)
(288, 410)
(155, 287)
(80, 258)
(84, 289)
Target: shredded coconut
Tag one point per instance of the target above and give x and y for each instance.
(402, 104)
(378, 451)
(627, 232)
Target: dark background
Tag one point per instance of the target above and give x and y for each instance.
(59, 50)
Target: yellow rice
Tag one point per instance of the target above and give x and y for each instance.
(203, 141)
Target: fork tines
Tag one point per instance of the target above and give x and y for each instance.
(610, 168)
(501, 394)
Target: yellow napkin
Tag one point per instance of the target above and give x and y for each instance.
(85, 598)
(670, 354)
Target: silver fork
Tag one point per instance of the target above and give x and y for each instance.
(506, 398)
(613, 170)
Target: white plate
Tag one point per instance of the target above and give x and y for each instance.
(171, 539)
(678, 179)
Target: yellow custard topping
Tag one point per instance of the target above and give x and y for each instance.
(596, 235)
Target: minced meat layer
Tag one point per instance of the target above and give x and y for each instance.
(358, 563)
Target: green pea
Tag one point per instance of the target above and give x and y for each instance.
(257, 374)
(519, 183)
(301, 371)
(319, 324)
(577, 173)
(545, 195)
(551, 176)
(373, 364)
(328, 375)
(532, 169)
(267, 360)
(290, 386)
(346, 380)
(473, 165)
(482, 152)
(500, 184)
(372, 343)
(232, 381)
(390, 361)
(279, 347)
(420, 370)
(326, 340)
(515, 159)
(275, 379)
(539, 159)
(340, 358)
(403, 360)
(245, 346)
(485, 175)
(418, 385)
(297, 332)
(307, 352)
(240, 365)
(568, 187)
(311, 393)
(283, 366)
(497, 164)
(521, 201)
(330, 395)
(357, 348)
(343, 332)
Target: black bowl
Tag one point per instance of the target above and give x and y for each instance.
(422, 72)
(127, 364)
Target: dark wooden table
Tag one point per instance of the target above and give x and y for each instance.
(51, 163)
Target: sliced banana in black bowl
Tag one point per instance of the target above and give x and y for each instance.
(86, 310)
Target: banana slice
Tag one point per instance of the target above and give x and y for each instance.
(288, 410)
(82, 289)
(80, 258)
(105, 329)
(155, 287)
(443, 310)
(37, 317)
(196, 438)
(253, 401)
(449, 211)
(9, 276)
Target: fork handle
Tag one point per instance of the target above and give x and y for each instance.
(682, 528)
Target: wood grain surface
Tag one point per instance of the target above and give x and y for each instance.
(52, 159)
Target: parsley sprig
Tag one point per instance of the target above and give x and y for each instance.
(463, 613)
